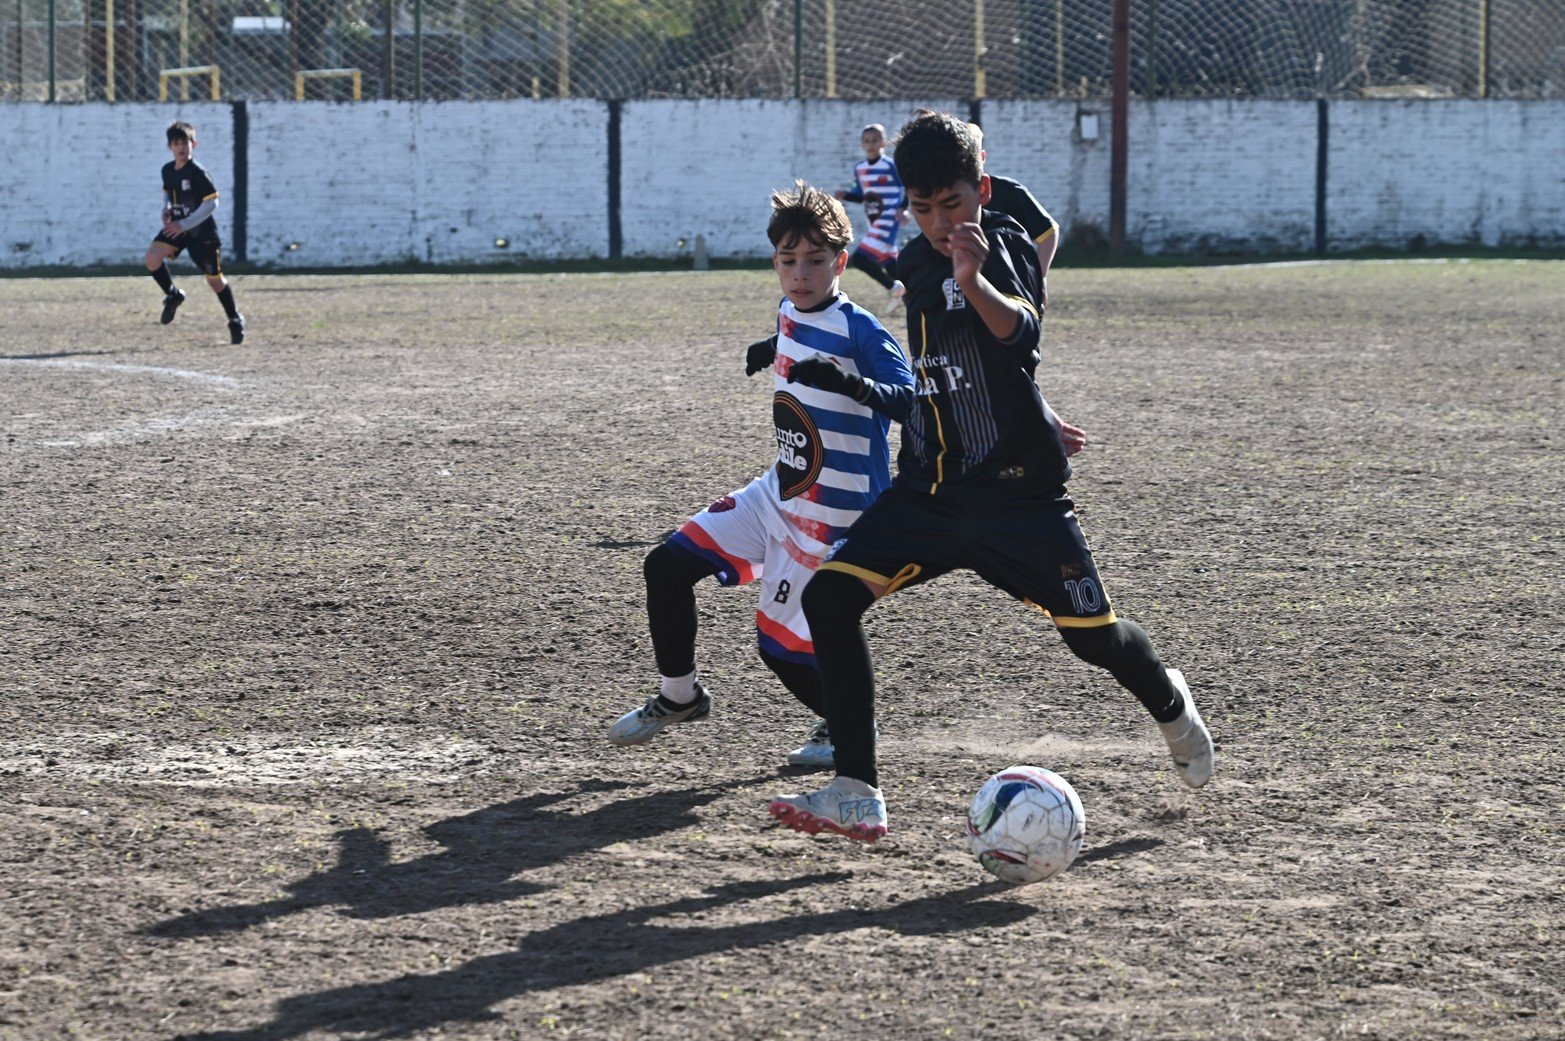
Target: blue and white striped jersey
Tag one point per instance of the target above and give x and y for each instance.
(879, 187)
(833, 459)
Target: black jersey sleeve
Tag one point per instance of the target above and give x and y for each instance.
(1014, 200)
(1012, 268)
(200, 183)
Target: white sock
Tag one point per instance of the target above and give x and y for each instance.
(681, 690)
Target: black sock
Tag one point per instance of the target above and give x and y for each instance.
(164, 280)
(834, 605)
(225, 296)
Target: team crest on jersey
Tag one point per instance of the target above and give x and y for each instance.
(955, 301)
(799, 450)
(184, 186)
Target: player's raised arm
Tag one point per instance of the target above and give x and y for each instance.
(1007, 310)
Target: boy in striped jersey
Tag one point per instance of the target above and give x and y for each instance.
(833, 460)
(877, 186)
(980, 481)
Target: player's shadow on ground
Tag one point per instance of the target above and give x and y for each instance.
(483, 853)
(603, 947)
(1115, 850)
(58, 354)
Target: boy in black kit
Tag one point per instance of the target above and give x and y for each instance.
(189, 200)
(1014, 200)
(980, 482)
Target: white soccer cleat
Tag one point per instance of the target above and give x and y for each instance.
(846, 806)
(1189, 741)
(817, 752)
(640, 725)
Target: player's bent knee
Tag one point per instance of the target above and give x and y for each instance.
(834, 598)
(668, 565)
(1100, 645)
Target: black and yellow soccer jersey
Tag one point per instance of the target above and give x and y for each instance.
(977, 425)
(186, 189)
(1014, 200)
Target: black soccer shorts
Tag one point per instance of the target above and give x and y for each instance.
(1032, 549)
(206, 253)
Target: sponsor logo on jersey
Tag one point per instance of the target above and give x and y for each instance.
(955, 301)
(938, 374)
(799, 450)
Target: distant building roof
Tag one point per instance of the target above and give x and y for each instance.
(250, 25)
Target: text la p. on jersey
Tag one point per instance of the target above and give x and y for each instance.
(833, 458)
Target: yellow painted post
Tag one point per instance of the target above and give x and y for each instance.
(214, 75)
(1059, 48)
(979, 79)
(184, 47)
(1483, 48)
(354, 76)
(831, 48)
(563, 83)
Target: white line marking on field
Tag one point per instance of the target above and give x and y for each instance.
(149, 370)
(360, 755)
(1379, 260)
(145, 428)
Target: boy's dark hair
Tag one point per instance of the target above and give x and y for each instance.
(936, 150)
(807, 212)
(179, 130)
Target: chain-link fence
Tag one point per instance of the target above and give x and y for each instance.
(73, 50)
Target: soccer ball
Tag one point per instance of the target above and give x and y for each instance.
(1026, 824)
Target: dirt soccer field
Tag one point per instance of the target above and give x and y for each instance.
(308, 647)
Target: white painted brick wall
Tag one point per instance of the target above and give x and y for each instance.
(1221, 176)
(1489, 173)
(80, 184)
(1036, 143)
(385, 182)
(708, 167)
(392, 182)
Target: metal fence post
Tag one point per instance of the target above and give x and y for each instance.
(388, 53)
(798, 48)
(1119, 150)
(51, 51)
(418, 50)
(1483, 48)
